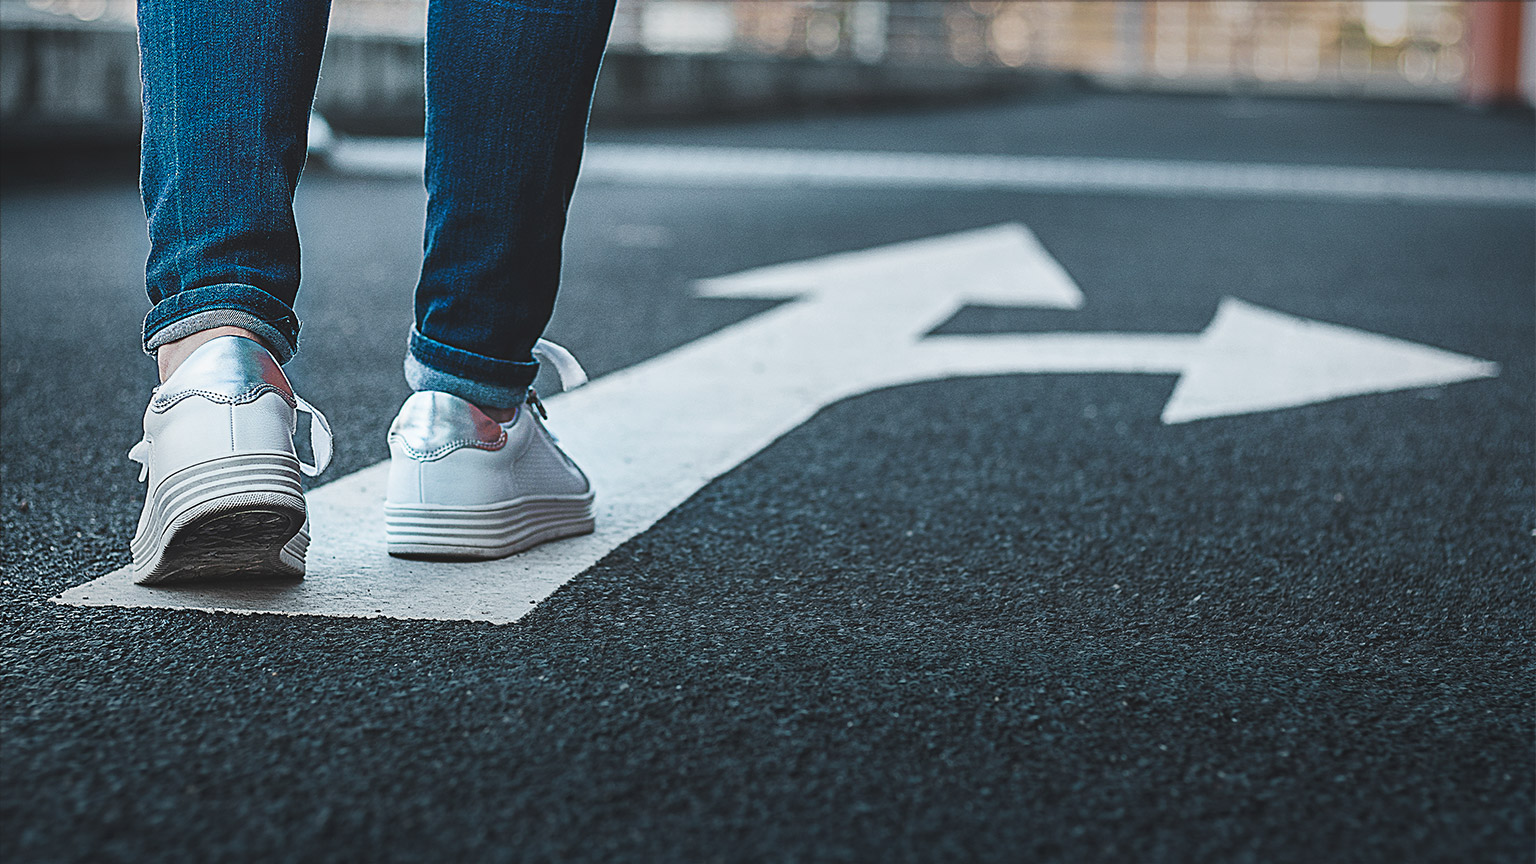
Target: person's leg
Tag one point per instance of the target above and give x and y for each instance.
(509, 86)
(227, 92)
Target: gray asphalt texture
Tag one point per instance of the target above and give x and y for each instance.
(1001, 619)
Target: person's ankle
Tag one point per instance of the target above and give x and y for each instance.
(500, 415)
(173, 354)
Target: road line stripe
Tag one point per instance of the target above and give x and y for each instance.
(735, 166)
(709, 165)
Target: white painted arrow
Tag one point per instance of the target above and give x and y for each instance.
(1249, 359)
(653, 434)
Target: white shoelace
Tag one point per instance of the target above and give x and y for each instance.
(320, 445)
(564, 362)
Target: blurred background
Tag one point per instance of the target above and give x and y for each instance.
(68, 68)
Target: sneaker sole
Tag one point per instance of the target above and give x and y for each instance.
(483, 532)
(238, 517)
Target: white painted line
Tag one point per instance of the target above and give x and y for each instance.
(380, 157)
(725, 166)
(652, 435)
(735, 167)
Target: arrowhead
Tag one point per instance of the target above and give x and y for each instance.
(1003, 265)
(1253, 359)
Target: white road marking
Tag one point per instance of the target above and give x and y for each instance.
(733, 166)
(652, 435)
(1251, 359)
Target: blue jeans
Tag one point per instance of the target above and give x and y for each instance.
(228, 86)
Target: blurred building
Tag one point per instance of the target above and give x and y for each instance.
(1383, 47)
(1342, 48)
(73, 63)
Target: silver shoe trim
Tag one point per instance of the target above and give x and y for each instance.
(164, 403)
(432, 424)
(229, 370)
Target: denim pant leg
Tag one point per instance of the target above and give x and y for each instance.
(228, 86)
(509, 88)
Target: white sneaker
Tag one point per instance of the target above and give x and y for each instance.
(224, 499)
(462, 485)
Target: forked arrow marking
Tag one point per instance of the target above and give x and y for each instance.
(653, 434)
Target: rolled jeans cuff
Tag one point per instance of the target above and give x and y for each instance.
(242, 306)
(485, 381)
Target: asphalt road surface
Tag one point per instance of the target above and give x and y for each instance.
(1008, 618)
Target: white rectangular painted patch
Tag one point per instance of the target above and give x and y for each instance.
(350, 575)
